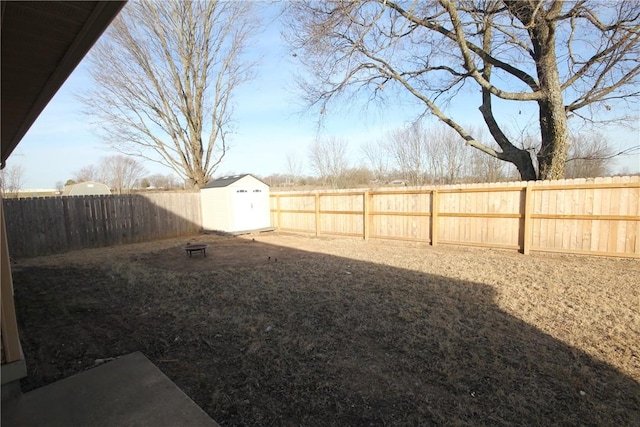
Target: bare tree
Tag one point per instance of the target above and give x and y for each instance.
(377, 158)
(277, 180)
(408, 149)
(487, 169)
(89, 173)
(163, 182)
(328, 158)
(482, 168)
(294, 167)
(589, 156)
(448, 157)
(121, 173)
(575, 58)
(11, 180)
(164, 77)
(357, 177)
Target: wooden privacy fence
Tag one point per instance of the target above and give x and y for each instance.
(48, 225)
(597, 217)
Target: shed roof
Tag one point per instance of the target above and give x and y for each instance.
(228, 180)
(86, 188)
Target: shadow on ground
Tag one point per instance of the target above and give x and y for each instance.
(315, 339)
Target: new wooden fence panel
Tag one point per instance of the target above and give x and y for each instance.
(601, 230)
(597, 216)
(632, 243)
(401, 216)
(342, 214)
(578, 196)
(578, 216)
(273, 210)
(297, 213)
(600, 208)
(481, 216)
(40, 226)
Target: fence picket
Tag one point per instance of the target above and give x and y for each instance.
(47, 225)
(599, 217)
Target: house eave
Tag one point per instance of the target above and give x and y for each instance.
(25, 89)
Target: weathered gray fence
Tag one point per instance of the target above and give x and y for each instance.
(49, 225)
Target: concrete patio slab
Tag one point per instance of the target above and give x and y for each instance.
(129, 391)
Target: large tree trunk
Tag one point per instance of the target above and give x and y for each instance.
(198, 179)
(554, 131)
(520, 158)
(522, 161)
(552, 156)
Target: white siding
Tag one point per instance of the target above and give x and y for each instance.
(215, 209)
(241, 206)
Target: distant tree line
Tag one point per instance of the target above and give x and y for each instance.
(420, 155)
(122, 174)
(11, 180)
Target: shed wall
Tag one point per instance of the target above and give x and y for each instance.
(241, 206)
(250, 208)
(215, 205)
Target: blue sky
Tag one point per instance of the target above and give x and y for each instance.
(268, 125)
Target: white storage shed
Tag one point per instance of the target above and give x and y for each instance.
(235, 203)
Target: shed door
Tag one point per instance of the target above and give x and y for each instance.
(244, 210)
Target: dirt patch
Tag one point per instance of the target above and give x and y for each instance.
(221, 252)
(345, 332)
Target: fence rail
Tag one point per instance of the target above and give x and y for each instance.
(596, 217)
(48, 225)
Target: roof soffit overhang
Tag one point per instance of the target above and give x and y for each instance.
(42, 43)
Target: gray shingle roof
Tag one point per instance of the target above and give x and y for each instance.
(228, 180)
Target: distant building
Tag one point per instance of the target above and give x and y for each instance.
(87, 188)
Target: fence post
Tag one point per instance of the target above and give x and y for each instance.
(434, 217)
(527, 226)
(317, 213)
(365, 215)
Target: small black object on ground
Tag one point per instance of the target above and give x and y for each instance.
(190, 249)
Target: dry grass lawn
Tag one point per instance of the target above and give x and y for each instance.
(346, 332)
